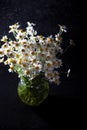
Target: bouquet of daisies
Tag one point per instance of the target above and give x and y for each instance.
(30, 54)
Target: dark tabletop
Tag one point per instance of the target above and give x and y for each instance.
(63, 101)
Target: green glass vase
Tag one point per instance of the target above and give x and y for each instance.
(33, 92)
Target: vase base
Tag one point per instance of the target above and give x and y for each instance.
(33, 96)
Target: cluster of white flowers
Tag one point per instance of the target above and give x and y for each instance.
(32, 53)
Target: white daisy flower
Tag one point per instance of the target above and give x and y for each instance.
(14, 27)
(4, 38)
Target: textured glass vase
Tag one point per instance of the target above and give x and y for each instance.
(33, 92)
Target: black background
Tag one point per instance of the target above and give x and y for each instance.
(63, 102)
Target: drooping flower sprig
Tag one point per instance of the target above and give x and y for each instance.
(29, 54)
